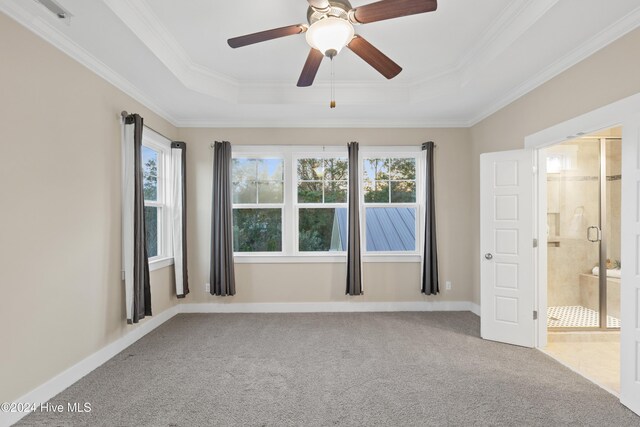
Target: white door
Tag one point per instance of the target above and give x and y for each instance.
(506, 240)
(630, 285)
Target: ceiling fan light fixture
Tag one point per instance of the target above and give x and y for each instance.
(330, 35)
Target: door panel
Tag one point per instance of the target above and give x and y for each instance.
(506, 235)
(630, 284)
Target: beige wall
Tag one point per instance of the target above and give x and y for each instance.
(60, 212)
(326, 282)
(605, 77)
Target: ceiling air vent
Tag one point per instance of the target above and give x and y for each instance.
(53, 7)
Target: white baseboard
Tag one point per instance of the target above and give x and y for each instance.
(328, 307)
(475, 308)
(57, 384)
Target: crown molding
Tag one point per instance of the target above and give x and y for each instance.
(623, 26)
(45, 29)
(519, 16)
(514, 21)
(517, 19)
(144, 23)
(365, 124)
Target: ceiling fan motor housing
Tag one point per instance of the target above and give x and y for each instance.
(338, 9)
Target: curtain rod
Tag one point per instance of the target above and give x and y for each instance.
(124, 115)
(323, 147)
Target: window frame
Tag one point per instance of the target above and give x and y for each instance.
(290, 219)
(262, 154)
(335, 152)
(393, 153)
(162, 146)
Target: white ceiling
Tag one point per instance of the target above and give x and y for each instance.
(460, 63)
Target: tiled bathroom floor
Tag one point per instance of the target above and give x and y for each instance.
(576, 316)
(596, 355)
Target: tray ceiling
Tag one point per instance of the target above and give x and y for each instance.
(460, 63)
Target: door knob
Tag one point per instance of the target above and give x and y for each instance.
(488, 256)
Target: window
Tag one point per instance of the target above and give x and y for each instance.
(321, 193)
(390, 204)
(292, 201)
(156, 152)
(258, 200)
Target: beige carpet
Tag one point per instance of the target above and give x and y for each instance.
(386, 369)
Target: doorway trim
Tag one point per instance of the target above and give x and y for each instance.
(609, 116)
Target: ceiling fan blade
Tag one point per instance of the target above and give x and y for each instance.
(319, 4)
(389, 9)
(310, 68)
(266, 35)
(374, 57)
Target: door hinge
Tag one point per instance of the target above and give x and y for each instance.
(535, 243)
(535, 315)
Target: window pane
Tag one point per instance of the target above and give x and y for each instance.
(335, 192)
(322, 229)
(391, 229)
(243, 170)
(310, 169)
(403, 169)
(270, 192)
(403, 191)
(257, 230)
(376, 191)
(310, 192)
(336, 169)
(245, 192)
(151, 227)
(257, 180)
(376, 169)
(150, 173)
(270, 169)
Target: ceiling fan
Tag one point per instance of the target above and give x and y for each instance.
(331, 28)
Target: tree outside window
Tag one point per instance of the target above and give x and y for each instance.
(258, 199)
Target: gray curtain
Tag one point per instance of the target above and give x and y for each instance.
(354, 264)
(180, 168)
(141, 283)
(430, 251)
(222, 273)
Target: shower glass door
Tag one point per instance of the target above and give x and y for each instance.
(574, 234)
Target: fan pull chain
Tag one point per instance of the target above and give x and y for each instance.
(333, 90)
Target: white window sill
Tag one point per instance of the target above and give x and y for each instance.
(157, 264)
(391, 258)
(316, 259)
